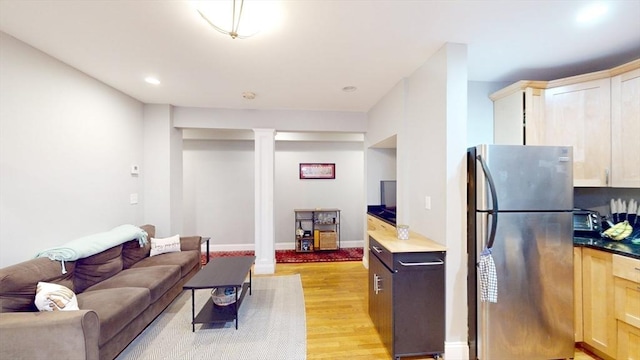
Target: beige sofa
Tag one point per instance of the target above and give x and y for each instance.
(119, 291)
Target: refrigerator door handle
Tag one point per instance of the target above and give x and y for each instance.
(494, 199)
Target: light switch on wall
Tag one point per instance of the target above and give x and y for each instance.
(427, 202)
(135, 170)
(133, 199)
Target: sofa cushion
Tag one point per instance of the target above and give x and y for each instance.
(158, 279)
(96, 268)
(132, 253)
(18, 282)
(115, 308)
(150, 230)
(187, 260)
(131, 250)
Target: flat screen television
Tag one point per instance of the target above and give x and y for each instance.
(388, 194)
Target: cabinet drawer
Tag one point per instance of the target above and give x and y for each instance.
(626, 267)
(385, 256)
(627, 307)
(374, 224)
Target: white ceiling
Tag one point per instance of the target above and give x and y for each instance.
(320, 47)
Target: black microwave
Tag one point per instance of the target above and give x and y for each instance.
(586, 223)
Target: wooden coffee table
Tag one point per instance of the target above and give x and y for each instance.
(220, 272)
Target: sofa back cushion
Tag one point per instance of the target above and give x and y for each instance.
(18, 282)
(93, 269)
(131, 250)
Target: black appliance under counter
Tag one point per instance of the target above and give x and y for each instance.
(407, 293)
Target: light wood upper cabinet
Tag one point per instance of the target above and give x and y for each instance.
(625, 129)
(579, 115)
(598, 114)
(517, 109)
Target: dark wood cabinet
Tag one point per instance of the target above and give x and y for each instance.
(380, 299)
(407, 300)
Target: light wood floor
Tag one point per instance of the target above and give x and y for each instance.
(336, 303)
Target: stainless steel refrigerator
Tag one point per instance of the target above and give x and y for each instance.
(520, 202)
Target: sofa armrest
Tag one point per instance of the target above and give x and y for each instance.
(190, 243)
(49, 335)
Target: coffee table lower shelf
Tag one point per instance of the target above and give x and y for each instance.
(212, 313)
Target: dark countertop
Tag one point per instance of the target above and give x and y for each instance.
(383, 213)
(624, 247)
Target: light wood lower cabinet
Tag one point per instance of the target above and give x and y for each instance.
(626, 272)
(628, 341)
(599, 321)
(577, 292)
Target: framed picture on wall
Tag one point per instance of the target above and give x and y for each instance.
(317, 171)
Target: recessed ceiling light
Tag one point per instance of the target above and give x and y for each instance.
(151, 80)
(592, 13)
(349, 88)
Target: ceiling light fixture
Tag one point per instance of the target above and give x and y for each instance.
(249, 95)
(592, 13)
(239, 19)
(151, 80)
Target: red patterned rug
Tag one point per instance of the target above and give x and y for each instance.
(291, 256)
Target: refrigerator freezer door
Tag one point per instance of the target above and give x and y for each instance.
(527, 178)
(533, 318)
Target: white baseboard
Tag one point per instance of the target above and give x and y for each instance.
(279, 246)
(456, 350)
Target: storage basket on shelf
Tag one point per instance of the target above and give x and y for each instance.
(224, 296)
(328, 240)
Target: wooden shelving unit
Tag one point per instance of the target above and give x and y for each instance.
(317, 229)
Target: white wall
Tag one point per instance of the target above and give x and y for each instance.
(219, 189)
(344, 192)
(163, 171)
(219, 192)
(432, 162)
(431, 149)
(480, 110)
(67, 143)
(381, 165)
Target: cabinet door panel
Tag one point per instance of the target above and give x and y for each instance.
(625, 127)
(628, 342)
(578, 115)
(380, 302)
(577, 290)
(598, 289)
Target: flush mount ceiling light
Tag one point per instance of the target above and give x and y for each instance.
(249, 95)
(239, 18)
(152, 80)
(592, 13)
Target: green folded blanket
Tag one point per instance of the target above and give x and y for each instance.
(94, 244)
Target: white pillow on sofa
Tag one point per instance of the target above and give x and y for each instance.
(166, 245)
(54, 297)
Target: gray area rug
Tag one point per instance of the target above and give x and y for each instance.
(271, 325)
